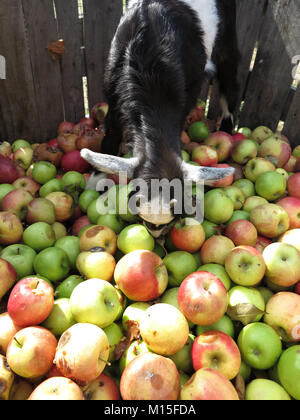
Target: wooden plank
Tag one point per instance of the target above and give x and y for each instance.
(19, 115)
(69, 29)
(41, 31)
(100, 22)
(292, 123)
(271, 79)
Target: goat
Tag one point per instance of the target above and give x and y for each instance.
(160, 56)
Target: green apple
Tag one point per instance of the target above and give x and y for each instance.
(260, 345)
(65, 288)
(86, 197)
(54, 185)
(239, 215)
(18, 144)
(236, 195)
(69, 244)
(198, 131)
(40, 210)
(52, 263)
(210, 229)
(135, 349)
(134, 237)
(266, 293)
(219, 271)
(256, 167)
(134, 313)
(114, 334)
(218, 208)
(246, 131)
(183, 358)
(59, 230)
(270, 185)
(43, 171)
(73, 181)
(170, 297)
(245, 371)
(61, 318)
(95, 301)
(5, 189)
(246, 186)
(244, 303)
(224, 325)
(265, 390)
(243, 151)
(21, 257)
(185, 156)
(253, 202)
(184, 378)
(261, 133)
(113, 221)
(289, 371)
(180, 264)
(39, 236)
(92, 211)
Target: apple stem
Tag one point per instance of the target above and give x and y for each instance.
(19, 344)
(104, 361)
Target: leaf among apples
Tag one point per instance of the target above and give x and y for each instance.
(244, 312)
(240, 386)
(132, 333)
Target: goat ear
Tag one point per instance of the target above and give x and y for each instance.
(110, 164)
(205, 174)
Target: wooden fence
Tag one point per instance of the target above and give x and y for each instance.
(40, 91)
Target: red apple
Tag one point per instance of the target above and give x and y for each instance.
(141, 275)
(215, 249)
(57, 388)
(188, 235)
(225, 182)
(31, 352)
(262, 243)
(30, 302)
(11, 229)
(102, 388)
(238, 136)
(53, 143)
(72, 161)
(8, 277)
(7, 330)
(242, 232)
(88, 122)
(293, 185)
(9, 170)
(205, 155)
(276, 150)
(292, 206)
(216, 350)
(222, 143)
(63, 205)
(79, 224)
(17, 202)
(28, 184)
(64, 127)
(202, 298)
(40, 210)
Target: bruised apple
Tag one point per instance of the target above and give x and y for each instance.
(57, 388)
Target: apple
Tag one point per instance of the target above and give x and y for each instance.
(31, 352)
(57, 388)
(52, 263)
(21, 257)
(288, 371)
(54, 185)
(23, 157)
(96, 263)
(99, 112)
(211, 229)
(188, 235)
(282, 263)
(134, 237)
(256, 167)
(245, 297)
(291, 237)
(243, 151)
(99, 236)
(238, 215)
(283, 315)
(95, 301)
(67, 141)
(64, 127)
(113, 221)
(102, 388)
(254, 201)
(218, 351)
(218, 208)
(66, 287)
(39, 236)
(93, 212)
(238, 136)
(265, 390)
(261, 133)
(59, 230)
(150, 377)
(18, 144)
(202, 298)
(262, 243)
(28, 184)
(290, 166)
(5, 148)
(224, 324)
(245, 266)
(80, 223)
(266, 293)
(270, 185)
(86, 198)
(205, 155)
(246, 186)
(7, 330)
(5, 189)
(270, 220)
(170, 297)
(242, 232)
(69, 244)
(30, 302)
(43, 172)
(276, 150)
(60, 318)
(63, 205)
(236, 195)
(164, 329)
(8, 277)
(215, 249)
(11, 229)
(222, 143)
(7, 378)
(260, 345)
(73, 181)
(179, 264)
(182, 358)
(208, 385)
(293, 185)
(82, 352)
(40, 210)
(219, 271)
(114, 334)
(72, 161)
(17, 202)
(9, 170)
(21, 390)
(136, 348)
(141, 275)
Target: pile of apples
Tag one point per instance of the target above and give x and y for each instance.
(92, 307)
